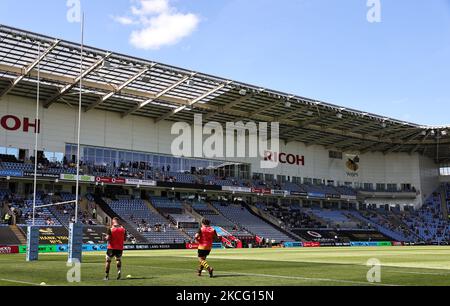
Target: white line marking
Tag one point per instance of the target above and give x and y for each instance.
(269, 276)
(18, 282)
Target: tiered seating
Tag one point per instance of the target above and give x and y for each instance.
(427, 222)
(240, 215)
(169, 206)
(324, 189)
(292, 216)
(345, 190)
(218, 220)
(151, 225)
(42, 216)
(54, 168)
(335, 218)
(376, 221)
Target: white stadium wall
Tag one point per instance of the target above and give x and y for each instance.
(108, 129)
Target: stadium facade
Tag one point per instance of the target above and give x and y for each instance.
(329, 157)
(106, 133)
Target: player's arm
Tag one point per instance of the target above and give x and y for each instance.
(108, 234)
(216, 236)
(198, 235)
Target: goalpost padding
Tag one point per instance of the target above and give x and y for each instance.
(75, 242)
(32, 243)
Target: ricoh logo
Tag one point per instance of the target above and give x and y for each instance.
(238, 140)
(284, 158)
(14, 123)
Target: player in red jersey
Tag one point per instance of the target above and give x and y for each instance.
(116, 238)
(205, 238)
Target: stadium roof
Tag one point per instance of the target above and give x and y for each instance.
(134, 86)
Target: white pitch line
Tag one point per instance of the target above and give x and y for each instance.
(272, 276)
(18, 282)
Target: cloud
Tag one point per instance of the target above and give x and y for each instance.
(124, 20)
(159, 24)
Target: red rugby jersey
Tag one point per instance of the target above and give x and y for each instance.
(117, 237)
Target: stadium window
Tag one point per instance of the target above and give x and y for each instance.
(317, 182)
(444, 170)
(392, 187)
(368, 186)
(335, 154)
(10, 151)
(380, 187)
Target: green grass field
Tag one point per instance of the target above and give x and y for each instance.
(255, 267)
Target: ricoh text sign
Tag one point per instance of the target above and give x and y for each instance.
(14, 123)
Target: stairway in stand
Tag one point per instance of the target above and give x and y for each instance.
(19, 234)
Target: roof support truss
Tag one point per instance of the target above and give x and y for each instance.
(118, 89)
(229, 106)
(29, 68)
(157, 96)
(68, 87)
(191, 103)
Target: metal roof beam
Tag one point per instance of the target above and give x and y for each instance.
(227, 107)
(192, 102)
(157, 96)
(393, 148)
(118, 89)
(29, 68)
(68, 87)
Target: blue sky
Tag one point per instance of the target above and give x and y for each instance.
(321, 49)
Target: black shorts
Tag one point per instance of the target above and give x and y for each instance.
(110, 254)
(203, 253)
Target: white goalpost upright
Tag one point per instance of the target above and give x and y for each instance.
(75, 228)
(33, 231)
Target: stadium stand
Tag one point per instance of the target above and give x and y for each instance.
(151, 225)
(251, 223)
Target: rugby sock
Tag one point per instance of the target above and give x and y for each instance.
(205, 264)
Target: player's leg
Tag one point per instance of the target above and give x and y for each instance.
(204, 264)
(200, 268)
(119, 264)
(108, 264)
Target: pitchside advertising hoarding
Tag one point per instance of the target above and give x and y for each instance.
(11, 173)
(73, 177)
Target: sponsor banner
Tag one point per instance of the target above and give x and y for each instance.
(110, 180)
(342, 244)
(94, 247)
(262, 190)
(191, 246)
(280, 192)
(310, 244)
(140, 182)
(188, 186)
(41, 174)
(348, 197)
(299, 193)
(328, 244)
(154, 246)
(73, 177)
(292, 244)
(370, 243)
(396, 243)
(15, 173)
(333, 196)
(336, 235)
(9, 249)
(236, 189)
(316, 195)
